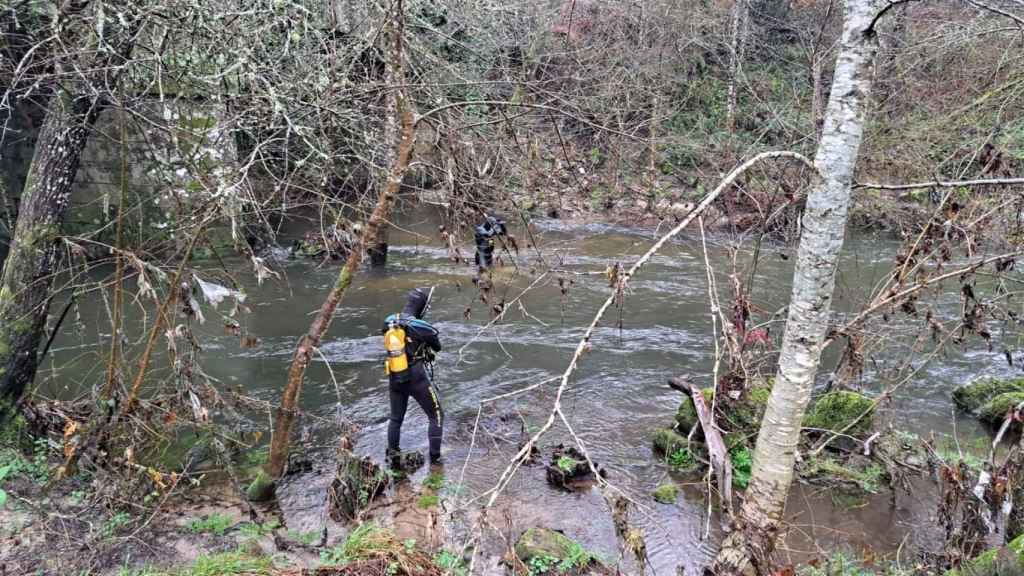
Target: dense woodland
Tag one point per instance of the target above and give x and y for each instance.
(144, 143)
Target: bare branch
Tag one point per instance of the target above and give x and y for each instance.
(941, 184)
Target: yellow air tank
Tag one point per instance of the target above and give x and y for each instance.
(394, 343)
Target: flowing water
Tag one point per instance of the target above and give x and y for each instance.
(617, 397)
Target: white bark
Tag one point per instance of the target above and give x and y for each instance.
(824, 224)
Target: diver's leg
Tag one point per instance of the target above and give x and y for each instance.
(399, 404)
(427, 397)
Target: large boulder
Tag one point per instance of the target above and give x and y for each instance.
(971, 397)
(547, 552)
(543, 543)
(995, 410)
(667, 441)
(842, 411)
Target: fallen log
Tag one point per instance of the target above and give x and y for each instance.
(720, 462)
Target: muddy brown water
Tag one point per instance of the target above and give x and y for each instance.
(617, 398)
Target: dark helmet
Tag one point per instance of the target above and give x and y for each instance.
(416, 302)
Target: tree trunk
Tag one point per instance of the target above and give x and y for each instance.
(740, 16)
(285, 415)
(378, 250)
(749, 548)
(30, 265)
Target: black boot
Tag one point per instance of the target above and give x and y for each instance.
(393, 459)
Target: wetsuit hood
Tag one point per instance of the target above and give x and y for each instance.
(416, 303)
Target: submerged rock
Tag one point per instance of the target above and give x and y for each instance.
(972, 397)
(543, 551)
(568, 468)
(666, 493)
(542, 542)
(995, 410)
(667, 441)
(842, 411)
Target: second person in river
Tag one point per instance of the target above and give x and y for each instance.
(412, 343)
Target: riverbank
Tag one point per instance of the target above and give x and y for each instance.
(618, 399)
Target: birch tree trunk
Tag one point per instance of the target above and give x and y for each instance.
(28, 271)
(748, 548)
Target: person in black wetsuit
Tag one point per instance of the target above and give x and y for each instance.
(484, 234)
(422, 345)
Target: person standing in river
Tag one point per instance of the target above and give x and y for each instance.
(412, 343)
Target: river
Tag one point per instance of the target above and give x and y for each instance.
(617, 398)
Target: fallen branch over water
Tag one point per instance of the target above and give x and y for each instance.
(585, 345)
(716, 446)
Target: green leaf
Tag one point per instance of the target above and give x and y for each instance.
(3, 497)
(5, 470)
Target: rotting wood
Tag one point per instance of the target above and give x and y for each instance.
(712, 437)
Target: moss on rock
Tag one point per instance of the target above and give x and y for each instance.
(686, 415)
(994, 411)
(745, 414)
(666, 493)
(842, 411)
(1008, 559)
(668, 441)
(261, 489)
(544, 543)
(972, 397)
(861, 473)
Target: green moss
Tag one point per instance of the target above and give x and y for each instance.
(428, 501)
(667, 441)
(666, 493)
(261, 489)
(541, 543)
(869, 478)
(744, 416)
(435, 481)
(973, 396)
(1006, 560)
(843, 411)
(682, 459)
(686, 415)
(994, 411)
(759, 396)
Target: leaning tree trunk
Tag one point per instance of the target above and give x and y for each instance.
(378, 248)
(262, 488)
(750, 546)
(31, 262)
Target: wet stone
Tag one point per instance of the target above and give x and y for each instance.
(995, 411)
(972, 397)
(843, 411)
(568, 469)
